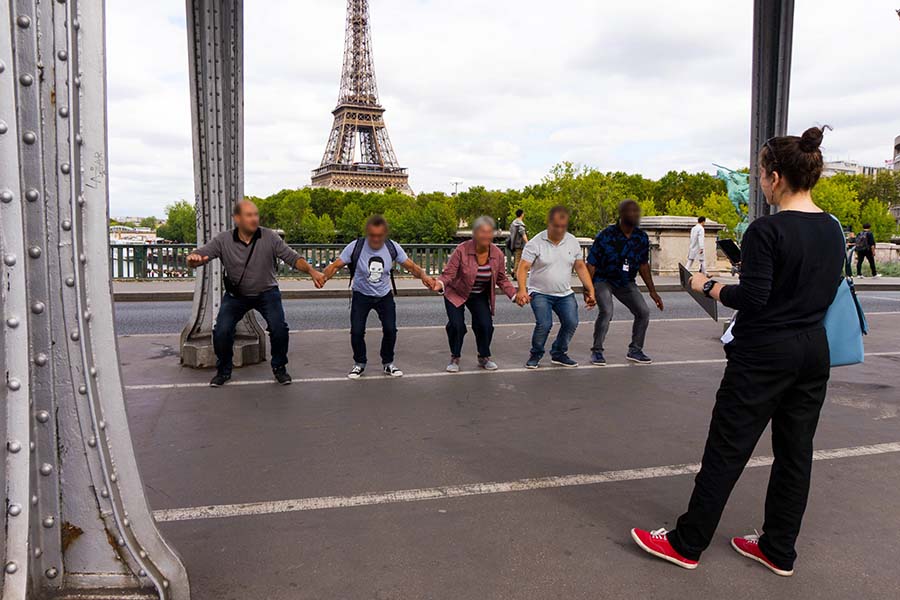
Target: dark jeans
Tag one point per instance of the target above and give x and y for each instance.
(230, 314)
(543, 306)
(479, 306)
(784, 383)
(359, 314)
(860, 257)
(631, 297)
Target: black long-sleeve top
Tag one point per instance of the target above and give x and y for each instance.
(791, 266)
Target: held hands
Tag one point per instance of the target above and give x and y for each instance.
(657, 299)
(318, 278)
(431, 283)
(589, 300)
(195, 260)
(522, 298)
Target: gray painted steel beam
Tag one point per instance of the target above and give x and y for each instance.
(215, 51)
(773, 32)
(76, 517)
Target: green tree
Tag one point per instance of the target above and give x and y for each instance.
(352, 222)
(149, 222)
(291, 210)
(875, 213)
(316, 230)
(181, 223)
(838, 197)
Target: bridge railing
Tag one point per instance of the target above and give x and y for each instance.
(169, 261)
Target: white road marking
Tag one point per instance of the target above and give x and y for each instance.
(377, 376)
(480, 489)
(884, 298)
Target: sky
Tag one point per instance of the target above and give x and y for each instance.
(495, 93)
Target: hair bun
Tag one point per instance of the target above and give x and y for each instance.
(812, 139)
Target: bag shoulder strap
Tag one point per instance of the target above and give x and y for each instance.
(247, 262)
(848, 268)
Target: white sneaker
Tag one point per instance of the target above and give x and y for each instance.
(487, 364)
(877, 276)
(392, 371)
(356, 372)
(453, 365)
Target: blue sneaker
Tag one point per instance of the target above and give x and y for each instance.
(534, 361)
(564, 360)
(637, 356)
(598, 359)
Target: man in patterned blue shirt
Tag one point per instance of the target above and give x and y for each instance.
(619, 253)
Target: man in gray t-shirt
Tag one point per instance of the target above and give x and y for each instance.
(371, 260)
(248, 252)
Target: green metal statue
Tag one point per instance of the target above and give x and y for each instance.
(738, 186)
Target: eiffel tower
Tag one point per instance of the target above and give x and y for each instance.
(359, 116)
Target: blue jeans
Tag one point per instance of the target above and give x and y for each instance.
(231, 312)
(566, 308)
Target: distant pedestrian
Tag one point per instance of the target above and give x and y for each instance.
(475, 270)
(698, 241)
(248, 253)
(619, 253)
(865, 250)
(518, 237)
(371, 262)
(778, 365)
(545, 281)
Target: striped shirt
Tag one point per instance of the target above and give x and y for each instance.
(482, 279)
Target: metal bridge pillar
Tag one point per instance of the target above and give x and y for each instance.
(773, 34)
(77, 521)
(216, 55)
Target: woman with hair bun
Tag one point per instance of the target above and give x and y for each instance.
(778, 363)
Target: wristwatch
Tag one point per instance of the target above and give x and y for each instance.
(708, 287)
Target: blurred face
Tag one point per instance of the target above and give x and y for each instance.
(558, 225)
(630, 215)
(483, 236)
(247, 221)
(376, 234)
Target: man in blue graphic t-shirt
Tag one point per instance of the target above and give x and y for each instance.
(371, 261)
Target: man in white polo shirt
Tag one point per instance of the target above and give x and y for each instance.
(545, 281)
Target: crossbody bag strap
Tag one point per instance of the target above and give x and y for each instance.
(247, 262)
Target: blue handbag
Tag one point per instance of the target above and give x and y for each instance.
(845, 321)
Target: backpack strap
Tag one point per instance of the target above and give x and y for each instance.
(392, 250)
(354, 259)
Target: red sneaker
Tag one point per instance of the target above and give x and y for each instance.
(749, 546)
(657, 544)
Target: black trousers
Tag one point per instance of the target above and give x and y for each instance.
(784, 383)
(360, 307)
(870, 256)
(231, 312)
(479, 306)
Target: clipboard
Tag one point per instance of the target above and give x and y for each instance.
(708, 304)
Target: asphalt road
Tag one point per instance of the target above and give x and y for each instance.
(169, 317)
(510, 485)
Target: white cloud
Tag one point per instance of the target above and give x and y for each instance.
(495, 93)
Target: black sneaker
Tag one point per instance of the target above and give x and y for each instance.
(282, 377)
(564, 360)
(637, 356)
(219, 380)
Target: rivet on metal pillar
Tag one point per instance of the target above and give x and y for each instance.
(63, 389)
(773, 33)
(215, 50)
